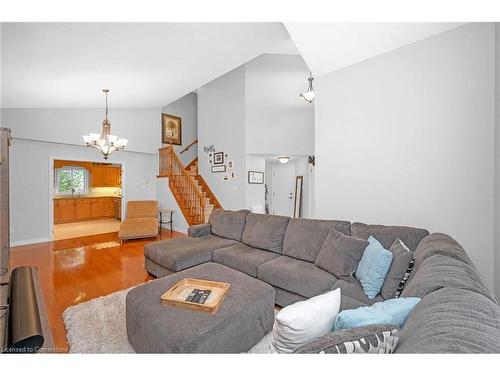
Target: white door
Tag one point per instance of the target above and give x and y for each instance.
(283, 180)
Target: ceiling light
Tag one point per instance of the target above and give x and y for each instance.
(309, 95)
(105, 142)
(283, 159)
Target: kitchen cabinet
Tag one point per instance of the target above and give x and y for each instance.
(105, 176)
(96, 208)
(82, 209)
(109, 208)
(86, 208)
(66, 210)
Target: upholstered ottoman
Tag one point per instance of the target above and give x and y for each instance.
(245, 316)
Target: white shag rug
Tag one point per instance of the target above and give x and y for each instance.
(98, 326)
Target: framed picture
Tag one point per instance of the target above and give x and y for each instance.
(230, 164)
(218, 169)
(171, 129)
(218, 158)
(255, 177)
(297, 206)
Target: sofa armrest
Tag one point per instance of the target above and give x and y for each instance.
(377, 338)
(199, 230)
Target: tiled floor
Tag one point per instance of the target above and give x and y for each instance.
(85, 228)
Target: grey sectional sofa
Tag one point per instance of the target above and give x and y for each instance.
(458, 313)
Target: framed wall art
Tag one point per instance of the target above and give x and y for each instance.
(218, 158)
(255, 177)
(218, 168)
(297, 206)
(171, 129)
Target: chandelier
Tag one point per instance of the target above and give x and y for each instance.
(105, 142)
(310, 93)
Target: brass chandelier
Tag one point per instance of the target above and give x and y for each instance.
(105, 142)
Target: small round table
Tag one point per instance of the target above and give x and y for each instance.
(166, 217)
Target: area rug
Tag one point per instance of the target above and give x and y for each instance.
(98, 326)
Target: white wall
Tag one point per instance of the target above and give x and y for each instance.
(166, 200)
(142, 127)
(41, 133)
(497, 161)
(277, 119)
(187, 109)
(221, 122)
(407, 138)
(29, 183)
(255, 193)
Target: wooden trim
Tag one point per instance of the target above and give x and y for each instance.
(189, 146)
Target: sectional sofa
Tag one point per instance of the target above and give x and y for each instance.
(457, 313)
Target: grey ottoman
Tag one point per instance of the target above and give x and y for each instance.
(246, 315)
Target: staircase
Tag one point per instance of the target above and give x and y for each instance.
(188, 187)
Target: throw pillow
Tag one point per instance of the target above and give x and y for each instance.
(378, 339)
(393, 312)
(304, 321)
(401, 258)
(373, 267)
(405, 277)
(340, 254)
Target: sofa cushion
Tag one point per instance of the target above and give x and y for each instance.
(296, 276)
(242, 258)
(401, 258)
(440, 271)
(340, 254)
(304, 237)
(452, 320)
(352, 289)
(180, 253)
(228, 224)
(265, 231)
(138, 228)
(387, 234)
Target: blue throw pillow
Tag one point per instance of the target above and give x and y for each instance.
(373, 267)
(392, 312)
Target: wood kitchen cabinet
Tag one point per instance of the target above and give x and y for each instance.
(82, 209)
(85, 208)
(65, 210)
(105, 176)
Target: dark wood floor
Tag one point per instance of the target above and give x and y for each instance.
(80, 269)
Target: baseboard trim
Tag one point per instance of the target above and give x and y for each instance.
(29, 241)
(176, 228)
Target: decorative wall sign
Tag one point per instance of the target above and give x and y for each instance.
(218, 158)
(255, 177)
(230, 164)
(171, 129)
(225, 178)
(218, 169)
(209, 149)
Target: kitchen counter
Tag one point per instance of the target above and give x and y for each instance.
(85, 196)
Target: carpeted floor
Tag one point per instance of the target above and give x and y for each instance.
(98, 326)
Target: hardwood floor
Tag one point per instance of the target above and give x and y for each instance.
(79, 269)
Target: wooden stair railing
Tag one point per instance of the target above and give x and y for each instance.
(189, 146)
(187, 194)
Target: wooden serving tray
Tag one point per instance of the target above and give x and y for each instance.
(176, 295)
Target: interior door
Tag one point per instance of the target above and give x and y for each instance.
(282, 189)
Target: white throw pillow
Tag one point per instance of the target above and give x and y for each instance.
(304, 321)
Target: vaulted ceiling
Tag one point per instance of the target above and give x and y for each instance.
(143, 64)
(148, 65)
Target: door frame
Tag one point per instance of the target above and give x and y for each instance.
(51, 184)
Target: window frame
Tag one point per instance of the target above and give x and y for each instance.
(71, 168)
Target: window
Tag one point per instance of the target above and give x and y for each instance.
(71, 180)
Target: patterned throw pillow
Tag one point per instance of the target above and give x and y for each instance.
(379, 339)
(401, 258)
(405, 277)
